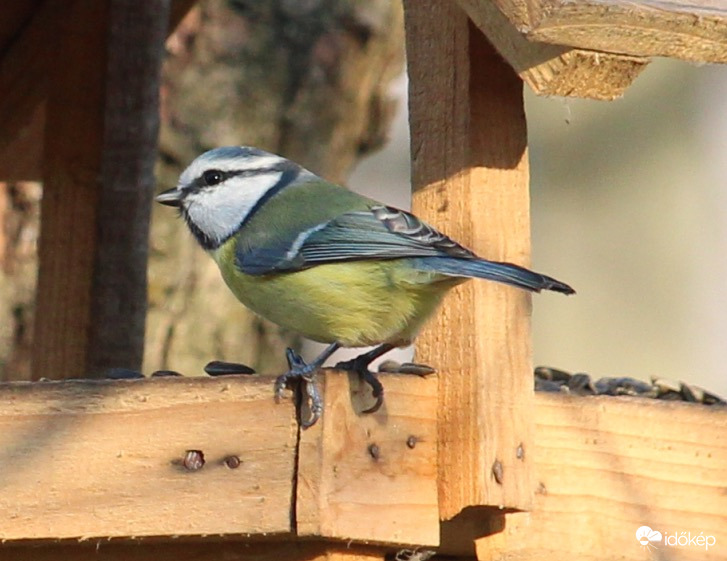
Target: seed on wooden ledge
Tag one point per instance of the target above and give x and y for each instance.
(393, 367)
(193, 460)
(165, 374)
(411, 442)
(497, 471)
(232, 462)
(374, 451)
(222, 368)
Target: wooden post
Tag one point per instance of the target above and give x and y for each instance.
(100, 138)
(470, 175)
(72, 161)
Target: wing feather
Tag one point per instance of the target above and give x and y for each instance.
(379, 233)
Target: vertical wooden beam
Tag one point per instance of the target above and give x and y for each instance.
(371, 478)
(71, 173)
(100, 136)
(470, 175)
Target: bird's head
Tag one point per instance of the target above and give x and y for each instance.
(223, 187)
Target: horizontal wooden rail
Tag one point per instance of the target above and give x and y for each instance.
(83, 459)
(91, 460)
(606, 466)
(198, 456)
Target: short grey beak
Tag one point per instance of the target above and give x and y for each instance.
(170, 197)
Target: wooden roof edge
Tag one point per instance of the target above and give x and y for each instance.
(696, 32)
(555, 69)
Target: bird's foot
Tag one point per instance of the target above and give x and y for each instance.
(360, 365)
(302, 373)
(221, 368)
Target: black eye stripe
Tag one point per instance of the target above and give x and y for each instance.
(220, 176)
(203, 180)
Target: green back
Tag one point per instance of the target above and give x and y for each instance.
(297, 208)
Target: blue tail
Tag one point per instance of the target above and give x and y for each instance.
(491, 270)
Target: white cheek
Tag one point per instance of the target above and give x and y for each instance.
(219, 212)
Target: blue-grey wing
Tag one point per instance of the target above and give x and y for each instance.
(379, 233)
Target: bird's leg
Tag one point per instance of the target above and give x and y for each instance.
(299, 370)
(360, 364)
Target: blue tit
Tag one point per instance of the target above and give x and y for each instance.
(322, 261)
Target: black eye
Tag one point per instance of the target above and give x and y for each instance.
(212, 177)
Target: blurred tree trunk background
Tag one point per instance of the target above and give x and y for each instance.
(19, 228)
(308, 79)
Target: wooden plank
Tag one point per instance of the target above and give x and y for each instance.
(607, 466)
(371, 478)
(470, 172)
(555, 69)
(98, 459)
(694, 31)
(209, 549)
(93, 460)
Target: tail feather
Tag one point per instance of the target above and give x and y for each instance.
(492, 270)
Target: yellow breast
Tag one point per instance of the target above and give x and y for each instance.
(356, 303)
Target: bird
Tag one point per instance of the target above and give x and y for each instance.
(323, 261)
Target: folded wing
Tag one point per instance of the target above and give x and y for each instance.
(386, 233)
(379, 233)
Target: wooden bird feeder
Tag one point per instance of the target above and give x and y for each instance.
(470, 462)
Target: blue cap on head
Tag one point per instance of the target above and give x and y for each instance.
(231, 152)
